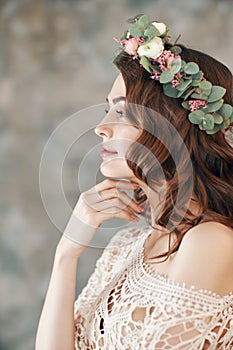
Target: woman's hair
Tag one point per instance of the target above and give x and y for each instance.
(211, 156)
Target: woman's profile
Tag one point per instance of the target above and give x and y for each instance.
(167, 285)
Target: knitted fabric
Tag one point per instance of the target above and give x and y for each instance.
(128, 306)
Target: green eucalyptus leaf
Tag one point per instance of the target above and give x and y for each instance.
(166, 77)
(135, 19)
(131, 20)
(226, 111)
(186, 105)
(169, 90)
(136, 30)
(187, 93)
(206, 93)
(214, 130)
(201, 126)
(214, 106)
(217, 92)
(183, 63)
(191, 68)
(176, 50)
(196, 117)
(195, 82)
(143, 21)
(183, 86)
(204, 96)
(151, 32)
(205, 85)
(196, 96)
(197, 76)
(218, 119)
(145, 62)
(155, 68)
(180, 94)
(176, 65)
(138, 16)
(209, 125)
(222, 126)
(199, 96)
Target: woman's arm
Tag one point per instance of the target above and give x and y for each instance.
(56, 326)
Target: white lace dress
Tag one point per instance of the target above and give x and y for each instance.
(174, 316)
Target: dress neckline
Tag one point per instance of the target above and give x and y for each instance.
(148, 274)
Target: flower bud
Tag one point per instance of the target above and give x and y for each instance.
(161, 27)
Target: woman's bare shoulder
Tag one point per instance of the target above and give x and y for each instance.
(205, 230)
(205, 258)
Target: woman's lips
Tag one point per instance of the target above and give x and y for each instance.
(107, 152)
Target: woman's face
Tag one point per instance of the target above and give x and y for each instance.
(117, 133)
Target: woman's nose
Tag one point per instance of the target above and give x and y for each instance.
(103, 130)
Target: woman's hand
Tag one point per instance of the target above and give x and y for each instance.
(102, 202)
(105, 201)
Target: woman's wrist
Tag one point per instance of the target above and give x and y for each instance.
(68, 249)
(62, 255)
(78, 231)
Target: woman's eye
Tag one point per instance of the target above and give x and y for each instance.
(118, 111)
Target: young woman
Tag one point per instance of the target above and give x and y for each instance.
(167, 285)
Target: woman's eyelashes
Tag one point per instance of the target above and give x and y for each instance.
(118, 111)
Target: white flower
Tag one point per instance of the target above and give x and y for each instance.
(151, 49)
(162, 28)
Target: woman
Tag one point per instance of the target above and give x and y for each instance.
(167, 285)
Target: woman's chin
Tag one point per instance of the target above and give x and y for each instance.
(115, 168)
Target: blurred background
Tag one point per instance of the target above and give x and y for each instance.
(56, 59)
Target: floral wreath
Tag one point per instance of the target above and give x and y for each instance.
(145, 41)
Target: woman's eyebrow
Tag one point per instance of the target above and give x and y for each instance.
(117, 99)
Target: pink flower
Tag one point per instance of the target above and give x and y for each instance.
(131, 45)
(165, 60)
(195, 104)
(155, 75)
(175, 83)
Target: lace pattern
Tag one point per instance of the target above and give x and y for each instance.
(126, 306)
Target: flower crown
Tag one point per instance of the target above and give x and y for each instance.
(145, 41)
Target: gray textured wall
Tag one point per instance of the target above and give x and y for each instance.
(55, 59)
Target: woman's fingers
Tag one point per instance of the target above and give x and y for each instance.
(108, 205)
(115, 212)
(124, 197)
(119, 184)
(117, 208)
(107, 200)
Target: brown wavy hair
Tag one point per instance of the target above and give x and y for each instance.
(211, 155)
